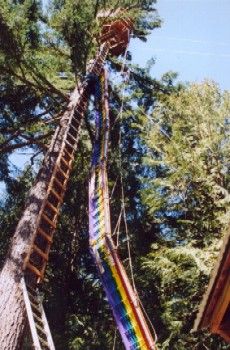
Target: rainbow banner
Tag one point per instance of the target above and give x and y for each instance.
(121, 296)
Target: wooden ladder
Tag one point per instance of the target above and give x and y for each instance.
(37, 257)
(40, 331)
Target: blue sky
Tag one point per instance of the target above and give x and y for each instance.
(194, 41)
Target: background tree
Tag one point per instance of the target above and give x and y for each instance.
(175, 217)
(187, 197)
(32, 70)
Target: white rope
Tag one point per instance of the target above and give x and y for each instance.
(115, 339)
(121, 178)
(123, 209)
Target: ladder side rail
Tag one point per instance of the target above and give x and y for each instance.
(78, 95)
(47, 329)
(29, 312)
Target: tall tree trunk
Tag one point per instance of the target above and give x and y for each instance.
(12, 309)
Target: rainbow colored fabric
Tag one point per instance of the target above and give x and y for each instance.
(123, 300)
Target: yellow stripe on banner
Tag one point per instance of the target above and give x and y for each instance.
(101, 227)
(128, 307)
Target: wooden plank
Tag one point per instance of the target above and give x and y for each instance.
(29, 311)
(51, 206)
(220, 307)
(75, 123)
(62, 186)
(41, 232)
(44, 343)
(73, 146)
(34, 269)
(35, 307)
(69, 150)
(65, 162)
(47, 219)
(70, 155)
(58, 196)
(41, 329)
(65, 174)
(73, 127)
(215, 286)
(37, 318)
(40, 252)
(71, 136)
(47, 330)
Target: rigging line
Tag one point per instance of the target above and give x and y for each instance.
(127, 235)
(118, 229)
(115, 339)
(123, 210)
(121, 179)
(113, 189)
(148, 318)
(162, 131)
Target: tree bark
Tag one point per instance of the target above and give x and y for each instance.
(12, 309)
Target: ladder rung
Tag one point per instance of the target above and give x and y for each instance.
(41, 232)
(41, 329)
(34, 269)
(73, 127)
(62, 186)
(38, 319)
(79, 109)
(44, 343)
(63, 172)
(68, 154)
(47, 219)
(35, 307)
(65, 162)
(69, 150)
(40, 252)
(70, 144)
(96, 70)
(73, 133)
(75, 123)
(31, 290)
(51, 206)
(71, 136)
(34, 298)
(79, 114)
(58, 196)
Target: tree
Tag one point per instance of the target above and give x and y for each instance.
(35, 49)
(187, 196)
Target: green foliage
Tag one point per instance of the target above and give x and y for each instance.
(187, 196)
(177, 209)
(189, 153)
(12, 206)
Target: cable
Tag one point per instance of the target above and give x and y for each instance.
(147, 316)
(123, 210)
(115, 339)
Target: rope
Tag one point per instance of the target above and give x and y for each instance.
(99, 220)
(123, 209)
(149, 321)
(115, 339)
